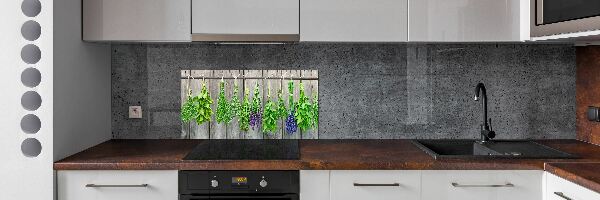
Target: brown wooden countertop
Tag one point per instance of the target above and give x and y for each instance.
(584, 174)
(314, 154)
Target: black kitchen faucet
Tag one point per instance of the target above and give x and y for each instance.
(486, 129)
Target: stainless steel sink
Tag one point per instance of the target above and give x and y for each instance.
(471, 149)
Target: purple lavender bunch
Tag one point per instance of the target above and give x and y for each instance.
(255, 119)
(290, 124)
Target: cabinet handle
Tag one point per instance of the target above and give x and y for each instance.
(491, 185)
(377, 185)
(114, 186)
(561, 195)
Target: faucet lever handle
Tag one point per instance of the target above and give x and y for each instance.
(491, 129)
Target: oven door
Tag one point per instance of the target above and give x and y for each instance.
(241, 197)
(552, 17)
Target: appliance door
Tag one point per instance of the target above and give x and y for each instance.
(551, 17)
(246, 197)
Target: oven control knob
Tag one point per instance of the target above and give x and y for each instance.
(214, 183)
(263, 183)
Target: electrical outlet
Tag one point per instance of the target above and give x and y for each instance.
(135, 112)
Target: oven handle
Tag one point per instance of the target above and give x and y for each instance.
(286, 196)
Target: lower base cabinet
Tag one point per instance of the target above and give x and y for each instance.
(560, 189)
(116, 185)
(482, 185)
(422, 185)
(374, 184)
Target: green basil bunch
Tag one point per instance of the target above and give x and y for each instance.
(270, 115)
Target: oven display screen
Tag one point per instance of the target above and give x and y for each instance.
(240, 180)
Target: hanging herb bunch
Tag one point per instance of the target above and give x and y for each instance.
(235, 104)
(256, 109)
(224, 114)
(270, 115)
(202, 105)
(303, 112)
(187, 110)
(244, 112)
(290, 123)
(281, 111)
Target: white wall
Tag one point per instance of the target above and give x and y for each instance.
(82, 89)
(24, 177)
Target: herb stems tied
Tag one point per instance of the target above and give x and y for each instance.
(290, 123)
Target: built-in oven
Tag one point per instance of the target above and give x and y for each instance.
(552, 17)
(237, 185)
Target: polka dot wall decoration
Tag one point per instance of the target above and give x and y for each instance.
(31, 77)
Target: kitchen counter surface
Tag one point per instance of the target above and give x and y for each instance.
(584, 174)
(314, 154)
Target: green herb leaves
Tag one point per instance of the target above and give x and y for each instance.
(244, 114)
(197, 107)
(223, 107)
(270, 115)
(202, 103)
(304, 111)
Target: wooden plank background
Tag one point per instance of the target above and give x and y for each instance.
(214, 130)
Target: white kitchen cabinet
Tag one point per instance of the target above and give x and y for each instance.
(375, 184)
(244, 20)
(136, 20)
(482, 185)
(468, 20)
(560, 189)
(117, 185)
(314, 185)
(354, 21)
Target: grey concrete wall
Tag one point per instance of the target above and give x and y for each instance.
(369, 90)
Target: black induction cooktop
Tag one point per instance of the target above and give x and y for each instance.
(245, 150)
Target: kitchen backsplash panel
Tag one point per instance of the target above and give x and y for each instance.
(368, 91)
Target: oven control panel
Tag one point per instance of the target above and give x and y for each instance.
(226, 182)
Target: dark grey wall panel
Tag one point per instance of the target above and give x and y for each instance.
(369, 90)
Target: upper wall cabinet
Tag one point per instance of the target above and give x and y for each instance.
(468, 20)
(136, 20)
(354, 21)
(245, 20)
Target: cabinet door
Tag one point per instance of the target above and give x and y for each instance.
(136, 20)
(353, 21)
(468, 20)
(482, 185)
(314, 185)
(561, 189)
(379, 185)
(117, 185)
(245, 16)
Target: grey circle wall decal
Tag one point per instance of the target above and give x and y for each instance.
(31, 30)
(31, 100)
(31, 77)
(30, 124)
(31, 147)
(31, 8)
(31, 54)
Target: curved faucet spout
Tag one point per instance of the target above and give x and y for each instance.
(486, 132)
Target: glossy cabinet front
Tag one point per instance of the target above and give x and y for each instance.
(468, 20)
(117, 185)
